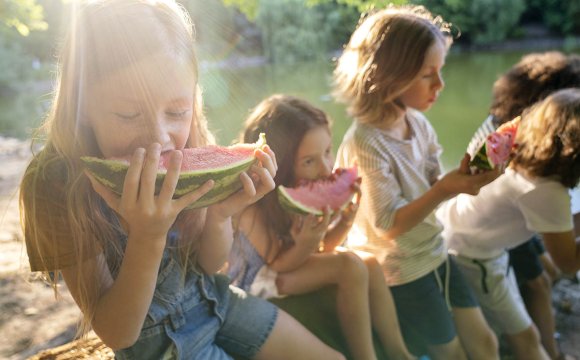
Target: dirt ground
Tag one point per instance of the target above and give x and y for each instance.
(31, 319)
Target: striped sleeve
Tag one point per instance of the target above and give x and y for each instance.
(380, 185)
(480, 135)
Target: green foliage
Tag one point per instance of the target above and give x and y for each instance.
(15, 65)
(479, 21)
(22, 15)
(293, 31)
(250, 7)
(560, 16)
(360, 5)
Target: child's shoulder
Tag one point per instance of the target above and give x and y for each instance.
(528, 182)
(420, 121)
(45, 175)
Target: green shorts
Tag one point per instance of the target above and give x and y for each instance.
(424, 306)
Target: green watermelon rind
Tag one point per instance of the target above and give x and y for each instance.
(481, 160)
(293, 206)
(111, 174)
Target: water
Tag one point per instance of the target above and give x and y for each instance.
(460, 109)
(230, 93)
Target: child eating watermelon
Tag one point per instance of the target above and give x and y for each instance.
(530, 197)
(277, 253)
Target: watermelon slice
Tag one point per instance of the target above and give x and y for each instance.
(496, 149)
(335, 191)
(222, 164)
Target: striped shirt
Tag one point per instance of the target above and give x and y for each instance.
(394, 173)
(486, 128)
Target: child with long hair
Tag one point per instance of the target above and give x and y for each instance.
(530, 197)
(531, 79)
(278, 254)
(139, 266)
(389, 72)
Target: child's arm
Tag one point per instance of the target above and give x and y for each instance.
(118, 306)
(564, 249)
(307, 233)
(217, 236)
(337, 234)
(453, 183)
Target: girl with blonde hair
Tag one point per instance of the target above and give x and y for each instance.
(140, 267)
(389, 72)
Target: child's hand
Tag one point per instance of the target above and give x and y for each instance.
(144, 214)
(461, 180)
(309, 230)
(256, 184)
(349, 213)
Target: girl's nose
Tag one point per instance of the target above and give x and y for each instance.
(325, 168)
(439, 82)
(159, 132)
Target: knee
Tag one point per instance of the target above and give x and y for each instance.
(529, 337)
(488, 344)
(373, 265)
(540, 284)
(353, 268)
(482, 345)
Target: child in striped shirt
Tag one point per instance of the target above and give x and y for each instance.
(389, 72)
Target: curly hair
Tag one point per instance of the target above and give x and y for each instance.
(534, 77)
(384, 55)
(548, 138)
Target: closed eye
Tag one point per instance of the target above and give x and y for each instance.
(177, 114)
(128, 116)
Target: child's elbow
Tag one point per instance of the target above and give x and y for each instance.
(120, 342)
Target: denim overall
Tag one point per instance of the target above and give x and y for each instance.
(199, 316)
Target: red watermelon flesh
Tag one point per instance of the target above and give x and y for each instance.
(501, 142)
(497, 147)
(206, 157)
(210, 157)
(336, 192)
(223, 165)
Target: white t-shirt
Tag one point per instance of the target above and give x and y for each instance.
(506, 213)
(575, 195)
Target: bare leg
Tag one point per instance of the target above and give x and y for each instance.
(549, 267)
(537, 295)
(383, 312)
(349, 273)
(526, 345)
(290, 340)
(477, 338)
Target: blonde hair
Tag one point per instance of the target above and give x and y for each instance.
(384, 55)
(57, 200)
(548, 138)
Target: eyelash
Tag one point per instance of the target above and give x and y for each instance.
(127, 117)
(176, 115)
